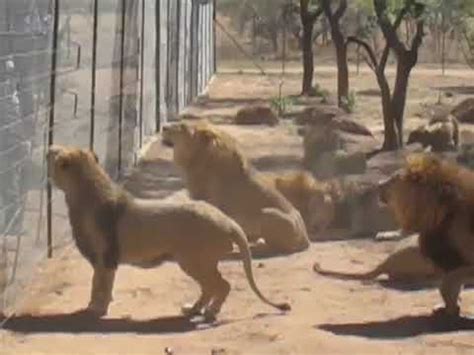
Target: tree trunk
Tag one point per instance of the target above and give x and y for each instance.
(342, 70)
(390, 133)
(400, 95)
(308, 61)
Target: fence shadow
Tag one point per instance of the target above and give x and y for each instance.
(153, 179)
(404, 327)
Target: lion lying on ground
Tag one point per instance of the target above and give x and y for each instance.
(435, 198)
(406, 264)
(110, 227)
(310, 197)
(214, 170)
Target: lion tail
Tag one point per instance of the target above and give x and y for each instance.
(238, 237)
(348, 276)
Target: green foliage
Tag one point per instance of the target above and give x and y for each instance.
(282, 104)
(349, 103)
(318, 91)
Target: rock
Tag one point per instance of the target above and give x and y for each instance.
(464, 111)
(351, 126)
(318, 115)
(339, 162)
(319, 140)
(255, 115)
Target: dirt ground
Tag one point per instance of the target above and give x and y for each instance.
(328, 316)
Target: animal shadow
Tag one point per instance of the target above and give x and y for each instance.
(78, 322)
(404, 327)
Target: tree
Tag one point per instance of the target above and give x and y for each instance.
(393, 103)
(339, 40)
(309, 14)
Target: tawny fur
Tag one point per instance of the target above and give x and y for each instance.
(311, 198)
(435, 198)
(406, 264)
(110, 227)
(215, 170)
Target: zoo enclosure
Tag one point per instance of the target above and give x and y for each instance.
(103, 74)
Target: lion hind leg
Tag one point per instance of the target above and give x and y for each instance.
(282, 233)
(221, 288)
(204, 272)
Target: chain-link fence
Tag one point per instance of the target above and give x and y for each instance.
(82, 72)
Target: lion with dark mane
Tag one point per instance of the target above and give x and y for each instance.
(435, 198)
(110, 227)
(215, 170)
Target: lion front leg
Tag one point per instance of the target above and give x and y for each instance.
(101, 292)
(450, 289)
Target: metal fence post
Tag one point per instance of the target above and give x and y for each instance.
(122, 64)
(52, 102)
(142, 70)
(93, 73)
(158, 65)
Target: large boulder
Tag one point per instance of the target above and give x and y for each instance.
(330, 150)
(339, 162)
(464, 111)
(256, 115)
(317, 115)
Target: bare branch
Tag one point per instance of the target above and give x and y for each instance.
(418, 39)
(370, 52)
(384, 57)
(341, 10)
(390, 30)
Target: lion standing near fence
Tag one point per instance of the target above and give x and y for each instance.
(110, 227)
(435, 198)
(215, 170)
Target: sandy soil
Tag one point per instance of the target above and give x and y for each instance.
(328, 316)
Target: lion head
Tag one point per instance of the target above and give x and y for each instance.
(311, 197)
(204, 145)
(69, 167)
(423, 193)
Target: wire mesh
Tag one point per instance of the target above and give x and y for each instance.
(90, 73)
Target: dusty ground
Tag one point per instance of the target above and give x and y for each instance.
(328, 316)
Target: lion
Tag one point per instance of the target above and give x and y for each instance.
(309, 196)
(441, 134)
(215, 170)
(110, 227)
(435, 198)
(406, 264)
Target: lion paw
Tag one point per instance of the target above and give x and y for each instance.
(188, 310)
(210, 316)
(444, 311)
(90, 313)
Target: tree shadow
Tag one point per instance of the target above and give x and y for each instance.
(228, 102)
(460, 90)
(403, 327)
(78, 322)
